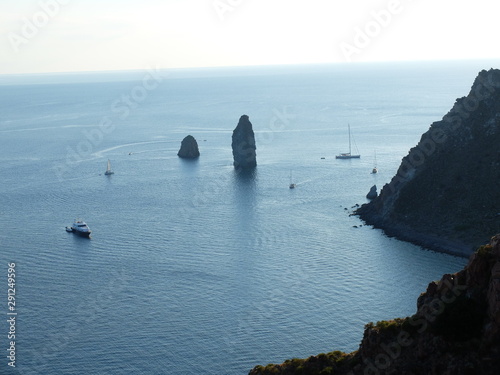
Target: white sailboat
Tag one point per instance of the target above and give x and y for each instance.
(348, 155)
(108, 169)
(375, 169)
(292, 185)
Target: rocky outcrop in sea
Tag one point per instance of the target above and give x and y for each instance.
(445, 194)
(455, 331)
(372, 194)
(243, 145)
(189, 148)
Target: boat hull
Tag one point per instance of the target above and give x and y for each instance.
(82, 234)
(347, 156)
(80, 228)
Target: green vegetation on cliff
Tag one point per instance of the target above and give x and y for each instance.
(455, 331)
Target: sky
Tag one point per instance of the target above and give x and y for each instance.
(41, 36)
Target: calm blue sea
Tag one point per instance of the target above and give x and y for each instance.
(193, 268)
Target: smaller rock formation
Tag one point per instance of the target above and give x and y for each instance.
(373, 192)
(243, 145)
(189, 148)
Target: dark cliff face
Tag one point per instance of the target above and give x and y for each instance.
(189, 148)
(447, 186)
(243, 145)
(455, 331)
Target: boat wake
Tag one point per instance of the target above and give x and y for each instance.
(101, 153)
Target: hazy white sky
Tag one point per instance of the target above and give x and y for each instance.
(87, 35)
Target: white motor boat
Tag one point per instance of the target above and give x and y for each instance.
(80, 227)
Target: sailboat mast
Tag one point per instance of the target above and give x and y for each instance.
(349, 128)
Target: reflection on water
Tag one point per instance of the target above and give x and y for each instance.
(245, 177)
(245, 198)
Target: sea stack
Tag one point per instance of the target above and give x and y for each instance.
(372, 194)
(243, 145)
(445, 194)
(189, 148)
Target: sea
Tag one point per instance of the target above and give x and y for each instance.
(194, 267)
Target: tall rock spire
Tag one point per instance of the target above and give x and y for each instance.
(243, 145)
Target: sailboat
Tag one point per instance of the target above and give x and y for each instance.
(348, 155)
(292, 185)
(108, 169)
(375, 170)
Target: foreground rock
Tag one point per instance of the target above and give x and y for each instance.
(243, 145)
(189, 148)
(445, 194)
(455, 331)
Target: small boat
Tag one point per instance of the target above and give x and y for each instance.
(80, 227)
(108, 169)
(375, 169)
(292, 185)
(348, 155)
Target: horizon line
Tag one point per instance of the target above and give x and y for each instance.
(181, 68)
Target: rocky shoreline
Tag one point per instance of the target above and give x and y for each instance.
(428, 241)
(444, 195)
(455, 331)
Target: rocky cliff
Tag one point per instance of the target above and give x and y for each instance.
(455, 331)
(243, 145)
(189, 148)
(445, 194)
